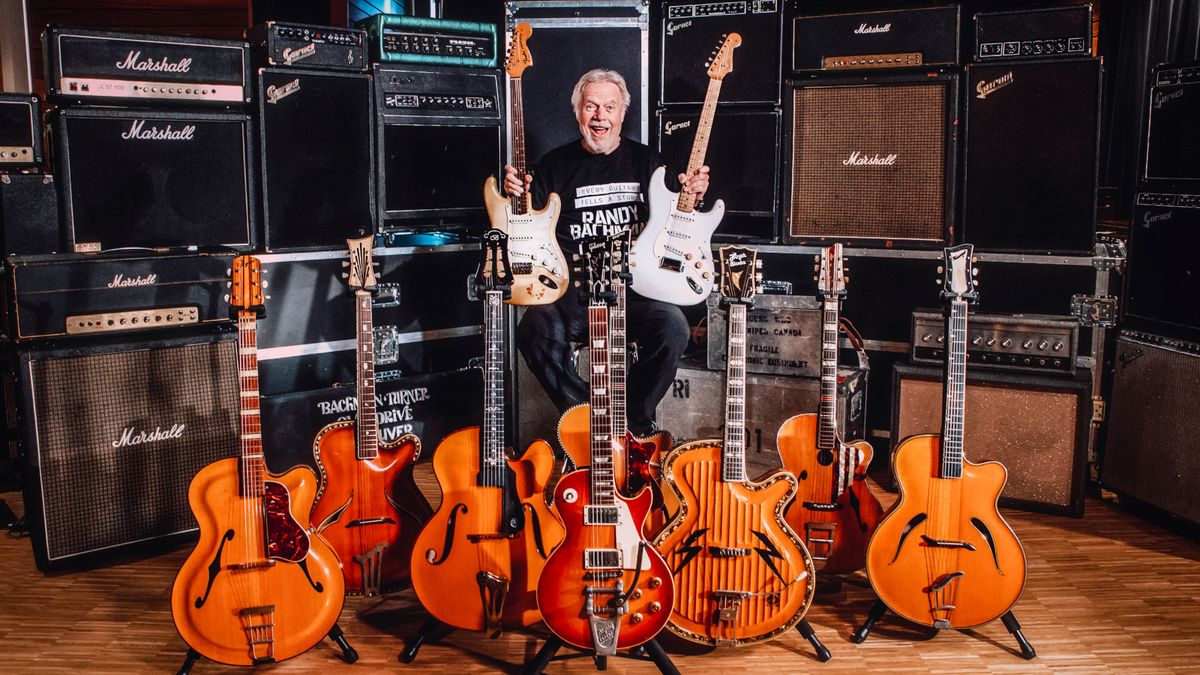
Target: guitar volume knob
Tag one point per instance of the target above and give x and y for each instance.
(654, 582)
(654, 607)
(636, 618)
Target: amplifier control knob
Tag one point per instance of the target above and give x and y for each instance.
(1027, 344)
(941, 339)
(1006, 343)
(1058, 345)
(991, 341)
(927, 337)
(1042, 345)
(977, 340)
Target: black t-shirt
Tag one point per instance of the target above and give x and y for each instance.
(601, 194)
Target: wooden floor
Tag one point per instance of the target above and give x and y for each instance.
(1106, 593)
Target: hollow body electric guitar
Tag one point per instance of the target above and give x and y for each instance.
(834, 510)
(539, 270)
(605, 588)
(636, 465)
(671, 260)
(476, 564)
(943, 556)
(369, 508)
(258, 587)
(741, 574)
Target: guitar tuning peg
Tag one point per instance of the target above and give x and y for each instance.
(974, 259)
(974, 270)
(941, 269)
(345, 263)
(758, 264)
(226, 297)
(264, 283)
(344, 275)
(266, 297)
(974, 282)
(228, 271)
(228, 284)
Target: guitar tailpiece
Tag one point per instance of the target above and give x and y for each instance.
(371, 563)
(493, 591)
(605, 629)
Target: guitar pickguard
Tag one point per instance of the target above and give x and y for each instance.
(286, 540)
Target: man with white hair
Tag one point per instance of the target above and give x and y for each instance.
(603, 180)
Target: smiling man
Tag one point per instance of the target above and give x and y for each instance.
(603, 180)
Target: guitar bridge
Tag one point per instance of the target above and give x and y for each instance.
(946, 543)
(728, 603)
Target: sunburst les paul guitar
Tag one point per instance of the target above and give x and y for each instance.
(834, 510)
(258, 587)
(741, 574)
(605, 588)
(671, 260)
(369, 507)
(943, 556)
(477, 562)
(539, 271)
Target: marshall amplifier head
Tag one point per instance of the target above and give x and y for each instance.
(871, 158)
(93, 67)
(692, 30)
(1034, 33)
(439, 134)
(154, 179)
(293, 45)
(395, 38)
(868, 40)
(20, 131)
(1173, 134)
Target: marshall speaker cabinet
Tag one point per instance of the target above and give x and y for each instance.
(20, 131)
(113, 437)
(154, 179)
(317, 150)
(1173, 136)
(743, 151)
(438, 130)
(93, 67)
(871, 158)
(29, 214)
(867, 40)
(1029, 175)
(692, 31)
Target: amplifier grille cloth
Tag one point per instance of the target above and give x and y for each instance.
(98, 492)
(833, 198)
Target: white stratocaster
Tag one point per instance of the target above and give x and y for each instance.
(671, 260)
(539, 269)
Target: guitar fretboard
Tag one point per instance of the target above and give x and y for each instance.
(491, 469)
(733, 454)
(523, 204)
(368, 421)
(687, 201)
(827, 425)
(617, 361)
(603, 481)
(956, 387)
(252, 466)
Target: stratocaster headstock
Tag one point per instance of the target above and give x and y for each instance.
(740, 274)
(518, 58)
(720, 63)
(360, 274)
(831, 276)
(494, 273)
(958, 274)
(246, 285)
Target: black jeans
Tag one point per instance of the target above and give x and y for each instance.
(661, 331)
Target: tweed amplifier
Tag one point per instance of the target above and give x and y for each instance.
(867, 40)
(20, 130)
(1172, 136)
(848, 176)
(105, 67)
(396, 38)
(294, 45)
(1029, 342)
(87, 295)
(1034, 33)
(783, 335)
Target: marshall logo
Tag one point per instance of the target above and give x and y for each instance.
(276, 93)
(864, 29)
(131, 436)
(676, 125)
(1160, 98)
(856, 158)
(120, 281)
(291, 56)
(138, 131)
(672, 27)
(134, 61)
(985, 89)
(1150, 218)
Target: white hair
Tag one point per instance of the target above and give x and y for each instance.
(599, 75)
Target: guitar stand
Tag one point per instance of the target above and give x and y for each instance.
(428, 628)
(806, 629)
(650, 650)
(1010, 622)
(349, 654)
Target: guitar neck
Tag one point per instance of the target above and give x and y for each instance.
(368, 420)
(955, 391)
(827, 410)
(603, 484)
(252, 465)
(523, 204)
(491, 456)
(733, 453)
(617, 361)
(687, 201)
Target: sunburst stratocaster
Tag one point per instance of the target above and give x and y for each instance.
(539, 270)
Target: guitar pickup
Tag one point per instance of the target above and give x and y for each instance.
(671, 264)
(727, 552)
(601, 559)
(521, 267)
(947, 543)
